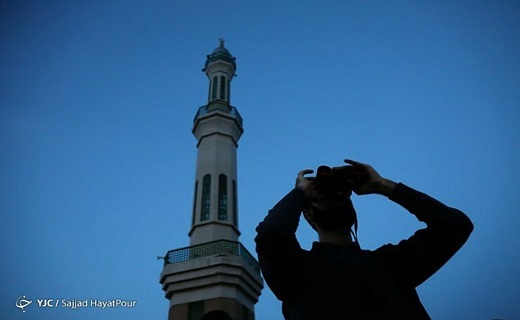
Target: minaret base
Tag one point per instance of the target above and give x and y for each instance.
(219, 275)
(197, 309)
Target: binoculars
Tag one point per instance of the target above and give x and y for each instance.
(339, 178)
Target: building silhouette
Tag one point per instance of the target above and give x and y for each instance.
(215, 277)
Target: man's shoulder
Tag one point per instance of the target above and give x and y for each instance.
(381, 255)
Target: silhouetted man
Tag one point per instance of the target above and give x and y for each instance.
(336, 279)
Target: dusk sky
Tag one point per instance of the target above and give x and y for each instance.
(97, 158)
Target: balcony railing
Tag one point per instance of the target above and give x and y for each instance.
(232, 111)
(218, 247)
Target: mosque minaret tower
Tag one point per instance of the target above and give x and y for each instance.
(215, 277)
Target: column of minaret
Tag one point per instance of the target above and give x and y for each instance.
(215, 277)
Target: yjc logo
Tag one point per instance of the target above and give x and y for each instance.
(22, 302)
(45, 303)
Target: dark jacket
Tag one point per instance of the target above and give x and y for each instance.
(343, 282)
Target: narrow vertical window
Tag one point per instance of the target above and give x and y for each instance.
(222, 197)
(235, 205)
(204, 208)
(228, 91)
(195, 203)
(214, 88)
(222, 87)
(209, 90)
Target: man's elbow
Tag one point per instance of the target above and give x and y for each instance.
(464, 225)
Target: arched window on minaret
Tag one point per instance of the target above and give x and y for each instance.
(206, 199)
(222, 88)
(222, 197)
(228, 91)
(235, 205)
(195, 202)
(217, 315)
(214, 88)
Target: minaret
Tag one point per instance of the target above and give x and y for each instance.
(217, 127)
(215, 277)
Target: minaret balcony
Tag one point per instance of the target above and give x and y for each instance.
(213, 248)
(219, 107)
(213, 270)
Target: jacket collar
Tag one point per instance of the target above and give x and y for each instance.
(331, 247)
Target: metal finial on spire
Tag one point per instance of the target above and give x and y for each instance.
(221, 41)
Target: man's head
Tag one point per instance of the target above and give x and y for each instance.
(333, 210)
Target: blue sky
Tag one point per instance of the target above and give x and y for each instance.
(97, 163)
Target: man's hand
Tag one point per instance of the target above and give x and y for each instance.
(374, 184)
(308, 186)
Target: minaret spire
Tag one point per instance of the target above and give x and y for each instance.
(220, 69)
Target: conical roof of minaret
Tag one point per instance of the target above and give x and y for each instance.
(220, 53)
